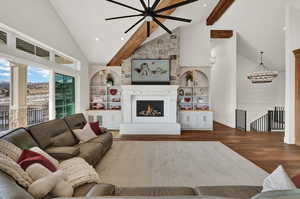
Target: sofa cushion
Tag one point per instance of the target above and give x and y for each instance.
(76, 121)
(95, 127)
(85, 134)
(238, 192)
(53, 133)
(28, 158)
(106, 139)
(63, 153)
(10, 150)
(154, 191)
(91, 152)
(21, 138)
(10, 190)
(102, 190)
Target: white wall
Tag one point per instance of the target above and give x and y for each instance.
(223, 84)
(257, 99)
(292, 43)
(195, 45)
(38, 20)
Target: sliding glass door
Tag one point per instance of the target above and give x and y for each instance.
(64, 95)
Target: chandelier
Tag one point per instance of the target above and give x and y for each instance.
(263, 74)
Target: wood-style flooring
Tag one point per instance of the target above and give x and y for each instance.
(266, 150)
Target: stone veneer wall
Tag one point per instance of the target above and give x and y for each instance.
(164, 47)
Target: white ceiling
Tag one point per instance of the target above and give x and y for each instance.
(85, 20)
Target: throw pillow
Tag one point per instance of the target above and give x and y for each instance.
(10, 167)
(10, 150)
(84, 134)
(28, 158)
(40, 188)
(95, 127)
(278, 180)
(46, 155)
(296, 181)
(79, 172)
(62, 188)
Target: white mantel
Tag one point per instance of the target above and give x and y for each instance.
(150, 125)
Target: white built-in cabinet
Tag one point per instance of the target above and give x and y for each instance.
(196, 120)
(110, 119)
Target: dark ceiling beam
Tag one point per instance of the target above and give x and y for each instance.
(218, 11)
(221, 34)
(141, 35)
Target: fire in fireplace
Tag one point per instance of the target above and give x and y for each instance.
(147, 108)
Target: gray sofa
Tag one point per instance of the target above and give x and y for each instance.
(56, 137)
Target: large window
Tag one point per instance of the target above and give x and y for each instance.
(32, 49)
(5, 75)
(3, 37)
(64, 95)
(37, 95)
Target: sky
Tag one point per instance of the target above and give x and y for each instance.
(34, 74)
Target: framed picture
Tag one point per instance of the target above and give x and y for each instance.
(150, 71)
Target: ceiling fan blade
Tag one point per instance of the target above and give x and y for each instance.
(148, 28)
(139, 21)
(143, 4)
(162, 25)
(155, 4)
(174, 18)
(121, 17)
(175, 5)
(121, 4)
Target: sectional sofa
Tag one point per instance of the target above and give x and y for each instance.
(56, 137)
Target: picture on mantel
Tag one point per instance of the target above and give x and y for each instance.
(150, 71)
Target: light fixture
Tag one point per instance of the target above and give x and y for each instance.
(204, 5)
(97, 39)
(262, 74)
(122, 38)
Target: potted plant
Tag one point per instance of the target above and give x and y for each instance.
(109, 80)
(189, 79)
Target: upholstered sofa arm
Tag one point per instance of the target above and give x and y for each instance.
(242, 192)
(63, 153)
(102, 190)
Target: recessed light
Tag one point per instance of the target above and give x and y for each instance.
(204, 5)
(97, 39)
(122, 38)
(284, 28)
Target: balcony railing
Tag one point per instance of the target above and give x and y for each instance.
(4, 120)
(35, 115)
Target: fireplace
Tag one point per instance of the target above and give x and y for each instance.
(150, 108)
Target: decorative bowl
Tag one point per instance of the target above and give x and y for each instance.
(113, 91)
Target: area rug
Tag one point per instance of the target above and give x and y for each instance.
(138, 163)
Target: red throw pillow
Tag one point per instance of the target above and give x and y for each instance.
(28, 158)
(95, 127)
(296, 181)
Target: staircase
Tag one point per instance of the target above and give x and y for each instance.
(274, 120)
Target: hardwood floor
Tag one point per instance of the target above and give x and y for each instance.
(266, 150)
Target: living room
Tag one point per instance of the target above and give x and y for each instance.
(149, 98)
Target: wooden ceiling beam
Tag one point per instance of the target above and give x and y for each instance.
(140, 35)
(218, 11)
(221, 34)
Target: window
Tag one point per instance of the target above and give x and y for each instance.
(42, 53)
(3, 37)
(65, 61)
(25, 46)
(64, 95)
(32, 49)
(5, 75)
(37, 95)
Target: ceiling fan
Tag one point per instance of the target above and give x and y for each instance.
(150, 13)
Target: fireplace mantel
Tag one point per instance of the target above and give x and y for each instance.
(133, 124)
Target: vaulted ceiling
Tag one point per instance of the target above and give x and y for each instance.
(85, 20)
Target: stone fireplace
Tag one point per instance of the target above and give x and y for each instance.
(149, 110)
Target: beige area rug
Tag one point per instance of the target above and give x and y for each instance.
(138, 163)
